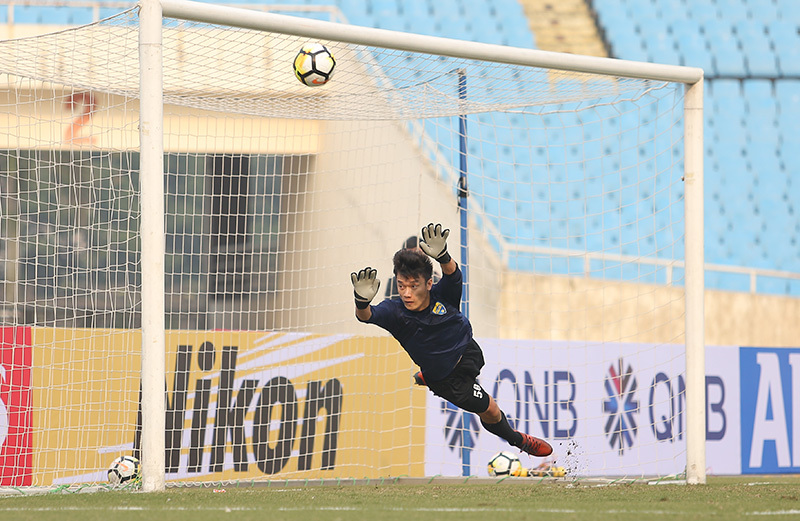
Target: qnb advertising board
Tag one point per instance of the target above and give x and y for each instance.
(247, 405)
(619, 409)
(607, 409)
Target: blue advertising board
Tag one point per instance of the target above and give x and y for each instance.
(770, 410)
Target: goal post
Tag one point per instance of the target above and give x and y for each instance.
(695, 286)
(693, 136)
(695, 394)
(151, 143)
(181, 216)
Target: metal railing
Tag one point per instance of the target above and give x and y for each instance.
(668, 265)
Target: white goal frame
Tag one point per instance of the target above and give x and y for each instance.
(152, 197)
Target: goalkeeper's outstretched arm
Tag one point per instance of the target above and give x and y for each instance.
(434, 244)
(365, 287)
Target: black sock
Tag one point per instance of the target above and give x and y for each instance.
(503, 429)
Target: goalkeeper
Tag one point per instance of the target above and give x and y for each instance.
(428, 324)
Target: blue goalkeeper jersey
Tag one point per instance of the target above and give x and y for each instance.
(434, 338)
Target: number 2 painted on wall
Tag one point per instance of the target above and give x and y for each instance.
(85, 104)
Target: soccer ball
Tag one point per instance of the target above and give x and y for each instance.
(123, 470)
(314, 65)
(503, 464)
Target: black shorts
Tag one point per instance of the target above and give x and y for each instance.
(461, 387)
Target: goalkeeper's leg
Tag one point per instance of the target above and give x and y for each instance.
(462, 389)
(494, 420)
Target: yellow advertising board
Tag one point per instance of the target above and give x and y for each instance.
(239, 405)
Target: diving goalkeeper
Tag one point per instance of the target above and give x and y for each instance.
(427, 322)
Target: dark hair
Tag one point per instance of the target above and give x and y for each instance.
(412, 263)
(411, 242)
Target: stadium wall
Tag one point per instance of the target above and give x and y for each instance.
(577, 308)
(363, 168)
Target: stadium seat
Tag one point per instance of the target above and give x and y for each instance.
(683, 29)
(733, 9)
(782, 32)
(384, 6)
(761, 62)
(760, 102)
(728, 58)
(670, 10)
(764, 10)
(789, 10)
(786, 41)
(695, 53)
(660, 48)
(27, 14)
(702, 11)
(787, 93)
(754, 41)
(726, 89)
(628, 46)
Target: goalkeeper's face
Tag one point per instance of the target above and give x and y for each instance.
(414, 291)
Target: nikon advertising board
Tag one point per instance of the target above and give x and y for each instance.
(248, 405)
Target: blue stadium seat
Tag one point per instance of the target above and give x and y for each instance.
(753, 40)
(733, 9)
(782, 32)
(614, 19)
(641, 10)
(728, 58)
(761, 61)
(764, 10)
(670, 10)
(787, 93)
(384, 10)
(789, 10)
(686, 29)
(786, 41)
(695, 53)
(628, 45)
(760, 102)
(446, 9)
(387, 6)
(702, 11)
(725, 89)
(717, 30)
(661, 49)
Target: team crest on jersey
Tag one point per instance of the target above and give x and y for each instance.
(439, 309)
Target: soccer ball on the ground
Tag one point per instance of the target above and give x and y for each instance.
(503, 464)
(314, 65)
(123, 469)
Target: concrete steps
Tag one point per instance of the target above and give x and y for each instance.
(564, 26)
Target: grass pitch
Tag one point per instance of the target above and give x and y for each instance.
(772, 497)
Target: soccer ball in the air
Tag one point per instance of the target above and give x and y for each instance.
(503, 464)
(123, 470)
(314, 65)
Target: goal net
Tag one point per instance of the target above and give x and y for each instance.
(563, 191)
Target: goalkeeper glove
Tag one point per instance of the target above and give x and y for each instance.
(434, 243)
(365, 286)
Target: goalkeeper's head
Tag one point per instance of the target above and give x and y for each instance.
(412, 263)
(413, 271)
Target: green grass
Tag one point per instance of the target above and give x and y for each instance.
(772, 497)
